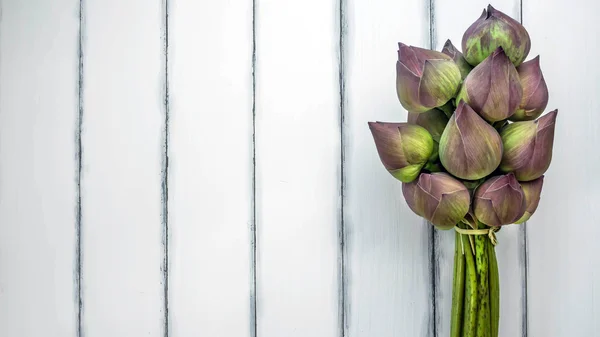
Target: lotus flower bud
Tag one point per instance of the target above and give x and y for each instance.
(535, 91)
(433, 120)
(439, 198)
(532, 190)
(499, 201)
(493, 88)
(495, 29)
(403, 148)
(425, 78)
(470, 148)
(457, 56)
(528, 147)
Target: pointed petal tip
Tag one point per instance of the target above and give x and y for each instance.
(484, 14)
(548, 118)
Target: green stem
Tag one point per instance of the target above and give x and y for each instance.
(458, 288)
(470, 312)
(494, 290)
(481, 261)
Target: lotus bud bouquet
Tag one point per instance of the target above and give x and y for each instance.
(473, 152)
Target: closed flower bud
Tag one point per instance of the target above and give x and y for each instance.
(458, 58)
(495, 29)
(403, 148)
(493, 88)
(439, 198)
(499, 201)
(532, 190)
(535, 91)
(433, 120)
(528, 147)
(425, 78)
(470, 148)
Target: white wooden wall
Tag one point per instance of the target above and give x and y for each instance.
(204, 168)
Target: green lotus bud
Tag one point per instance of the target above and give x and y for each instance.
(403, 148)
(492, 30)
(459, 59)
(425, 79)
(535, 91)
(532, 190)
(470, 148)
(499, 201)
(439, 198)
(528, 147)
(493, 88)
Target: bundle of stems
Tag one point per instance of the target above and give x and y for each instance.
(476, 288)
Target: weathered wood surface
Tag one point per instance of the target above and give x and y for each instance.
(38, 167)
(122, 148)
(210, 168)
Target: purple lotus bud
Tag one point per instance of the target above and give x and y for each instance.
(425, 79)
(433, 120)
(532, 190)
(403, 148)
(439, 198)
(495, 29)
(528, 147)
(499, 201)
(464, 66)
(535, 91)
(470, 148)
(493, 88)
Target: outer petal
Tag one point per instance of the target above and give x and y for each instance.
(484, 212)
(535, 91)
(505, 197)
(443, 183)
(451, 209)
(542, 152)
(407, 173)
(418, 200)
(416, 142)
(440, 82)
(532, 191)
(428, 54)
(505, 89)
(389, 144)
(477, 86)
(518, 140)
(493, 88)
(408, 58)
(433, 120)
(470, 148)
(412, 193)
(508, 199)
(464, 66)
(407, 88)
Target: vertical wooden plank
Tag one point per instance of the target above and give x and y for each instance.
(123, 116)
(388, 261)
(297, 167)
(451, 19)
(564, 263)
(210, 180)
(38, 113)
